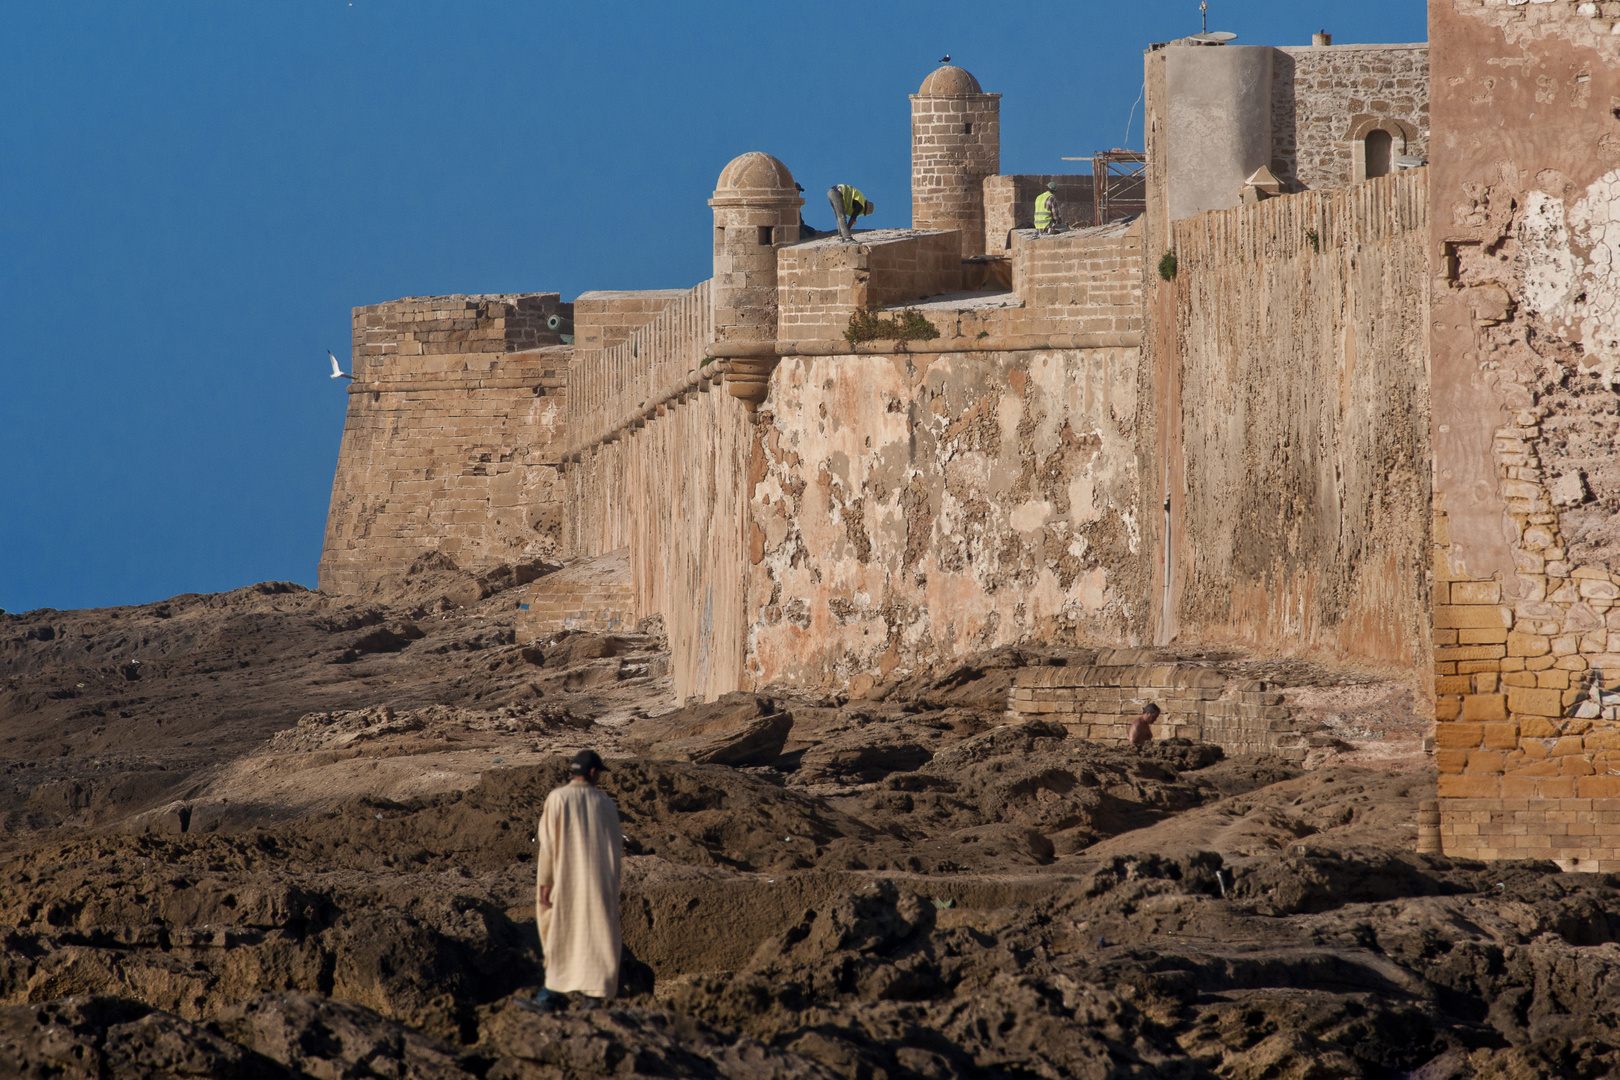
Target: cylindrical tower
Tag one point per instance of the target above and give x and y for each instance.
(955, 144)
(756, 209)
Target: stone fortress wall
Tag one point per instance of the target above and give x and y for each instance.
(449, 444)
(656, 467)
(1218, 423)
(1525, 321)
(1291, 350)
(799, 508)
(1009, 203)
(1325, 100)
(1098, 699)
(1214, 117)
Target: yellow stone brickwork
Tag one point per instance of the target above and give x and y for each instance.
(1527, 723)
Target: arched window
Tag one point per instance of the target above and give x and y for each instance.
(1375, 143)
(1379, 150)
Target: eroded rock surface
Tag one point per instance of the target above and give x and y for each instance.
(285, 862)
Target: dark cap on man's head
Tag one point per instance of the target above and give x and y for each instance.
(585, 761)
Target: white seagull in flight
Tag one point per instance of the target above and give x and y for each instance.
(337, 372)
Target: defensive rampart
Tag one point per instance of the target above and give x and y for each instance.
(1288, 346)
(820, 282)
(449, 446)
(660, 468)
(1082, 282)
(913, 507)
(1525, 326)
(1009, 203)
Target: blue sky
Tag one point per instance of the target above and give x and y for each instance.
(193, 196)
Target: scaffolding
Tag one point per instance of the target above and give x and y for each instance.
(1118, 184)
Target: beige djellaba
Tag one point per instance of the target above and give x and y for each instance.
(581, 851)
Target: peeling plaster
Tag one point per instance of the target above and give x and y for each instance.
(1578, 297)
(967, 501)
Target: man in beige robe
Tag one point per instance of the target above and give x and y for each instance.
(581, 848)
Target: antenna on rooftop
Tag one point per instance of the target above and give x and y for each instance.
(1206, 36)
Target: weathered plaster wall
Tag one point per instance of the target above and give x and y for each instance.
(1293, 381)
(910, 509)
(451, 438)
(673, 491)
(1526, 346)
(1217, 122)
(1323, 95)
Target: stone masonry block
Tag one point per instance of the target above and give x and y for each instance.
(1535, 702)
(1459, 736)
(1486, 636)
(1476, 592)
(1471, 616)
(1528, 645)
(1485, 707)
(1471, 652)
(1470, 786)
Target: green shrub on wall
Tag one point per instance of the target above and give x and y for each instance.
(908, 326)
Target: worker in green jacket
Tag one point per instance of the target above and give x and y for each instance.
(1047, 218)
(848, 204)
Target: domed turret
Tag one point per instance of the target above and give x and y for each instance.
(949, 81)
(955, 144)
(755, 172)
(756, 210)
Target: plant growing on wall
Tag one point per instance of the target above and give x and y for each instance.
(869, 325)
(1167, 266)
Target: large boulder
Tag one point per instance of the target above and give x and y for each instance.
(739, 729)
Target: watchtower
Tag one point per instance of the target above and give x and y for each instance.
(955, 144)
(756, 210)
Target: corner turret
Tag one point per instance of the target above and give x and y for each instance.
(756, 210)
(955, 144)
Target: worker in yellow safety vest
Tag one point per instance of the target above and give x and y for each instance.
(1047, 218)
(848, 204)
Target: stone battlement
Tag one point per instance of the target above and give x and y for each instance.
(822, 282)
(447, 325)
(448, 442)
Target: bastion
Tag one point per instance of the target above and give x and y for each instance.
(1287, 409)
